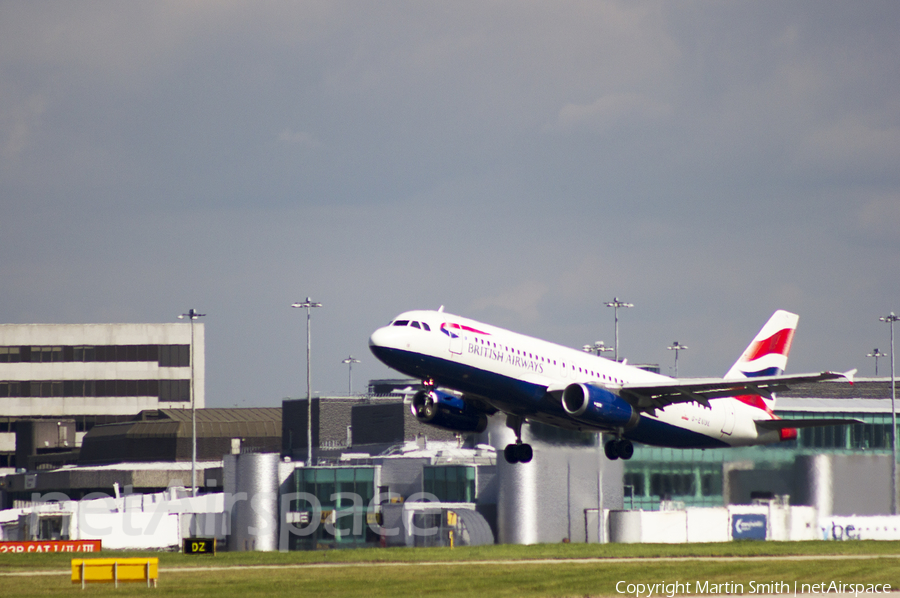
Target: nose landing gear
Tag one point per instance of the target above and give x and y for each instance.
(519, 452)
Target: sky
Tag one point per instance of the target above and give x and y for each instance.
(521, 163)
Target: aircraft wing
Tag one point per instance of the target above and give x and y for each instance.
(649, 397)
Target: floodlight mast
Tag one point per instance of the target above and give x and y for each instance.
(616, 304)
(308, 304)
(192, 315)
(598, 346)
(876, 354)
(676, 347)
(891, 319)
(350, 361)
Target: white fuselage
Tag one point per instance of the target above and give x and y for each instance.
(524, 376)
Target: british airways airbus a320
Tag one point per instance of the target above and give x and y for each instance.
(471, 370)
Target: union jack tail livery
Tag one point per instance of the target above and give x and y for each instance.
(768, 353)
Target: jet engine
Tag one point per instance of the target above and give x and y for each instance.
(596, 406)
(447, 411)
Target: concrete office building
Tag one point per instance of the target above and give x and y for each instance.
(94, 373)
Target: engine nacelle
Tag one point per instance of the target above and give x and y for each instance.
(598, 407)
(447, 411)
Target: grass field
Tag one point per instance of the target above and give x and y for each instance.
(540, 571)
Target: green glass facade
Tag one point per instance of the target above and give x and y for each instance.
(694, 476)
(345, 495)
(450, 483)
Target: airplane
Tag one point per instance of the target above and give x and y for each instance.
(471, 370)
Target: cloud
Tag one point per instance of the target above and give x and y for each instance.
(611, 111)
(878, 219)
(17, 125)
(855, 145)
(523, 300)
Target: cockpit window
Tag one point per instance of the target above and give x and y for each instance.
(412, 323)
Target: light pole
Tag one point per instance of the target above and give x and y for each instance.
(598, 346)
(192, 315)
(350, 361)
(308, 304)
(876, 354)
(891, 319)
(616, 304)
(676, 347)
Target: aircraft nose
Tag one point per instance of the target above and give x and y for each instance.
(378, 338)
(380, 344)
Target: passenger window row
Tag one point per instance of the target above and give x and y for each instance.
(547, 360)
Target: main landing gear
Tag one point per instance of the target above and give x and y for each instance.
(519, 452)
(618, 448)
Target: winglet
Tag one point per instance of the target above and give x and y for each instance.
(829, 375)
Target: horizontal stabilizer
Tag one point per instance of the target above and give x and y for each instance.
(780, 424)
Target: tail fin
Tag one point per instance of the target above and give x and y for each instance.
(768, 353)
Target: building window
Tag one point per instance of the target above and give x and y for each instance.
(166, 390)
(450, 483)
(636, 481)
(711, 484)
(176, 356)
(672, 484)
(174, 390)
(870, 436)
(833, 437)
(10, 354)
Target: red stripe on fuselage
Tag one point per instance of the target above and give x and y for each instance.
(779, 343)
(757, 401)
(754, 401)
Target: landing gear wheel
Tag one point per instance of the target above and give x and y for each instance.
(511, 453)
(518, 453)
(624, 448)
(526, 453)
(619, 448)
(611, 450)
(429, 409)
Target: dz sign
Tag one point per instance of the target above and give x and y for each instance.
(199, 546)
